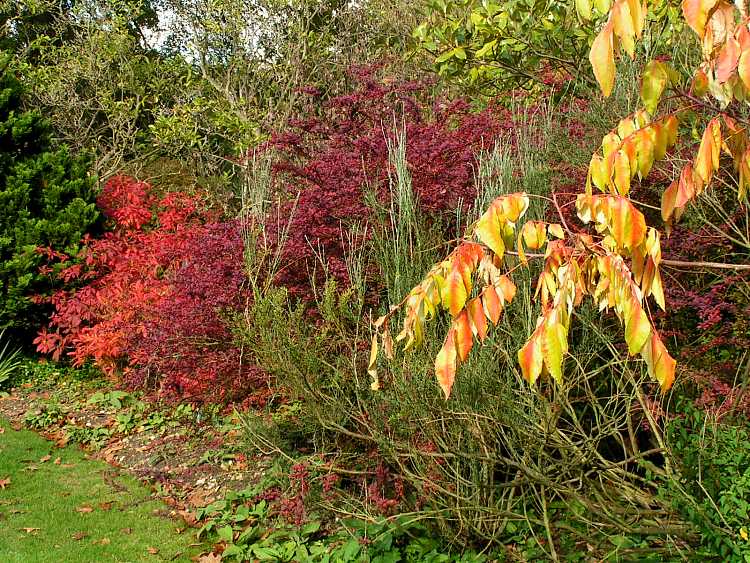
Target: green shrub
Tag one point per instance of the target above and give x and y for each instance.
(711, 485)
(46, 200)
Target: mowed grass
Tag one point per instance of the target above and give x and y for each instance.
(77, 510)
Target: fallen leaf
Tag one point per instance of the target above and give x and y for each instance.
(30, 530)
(105, 541)
(127, 531)
(45, 458)
(4, 482)
(79, 536)
(2, 430)
(105, 505)
(152, 550)
(209, 558)
(57, 461)
(85, 509)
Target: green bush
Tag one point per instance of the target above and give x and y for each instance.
(711, 485)
(46, 200)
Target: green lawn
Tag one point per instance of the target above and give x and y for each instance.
(77, 510)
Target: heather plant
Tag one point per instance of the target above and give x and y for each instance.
(46, 206)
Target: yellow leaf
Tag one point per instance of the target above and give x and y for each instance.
(583, 7)
(534, 234)
(554, 348)
(653, 82)
(602, 58)
(371, 366)
(622, 173)
(638, 327)
(454, 292)
(599, 172)
(488, 231)
(622, 20)
(696, 14)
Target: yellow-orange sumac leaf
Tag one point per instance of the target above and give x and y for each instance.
(462, 335)
(653, 82)
(513, 206)
(454, 292)
(743, 65)
(727, 61)
(622, 173)
(371, 366)
(671, 127)
(744, 176)
(699, 86)
(554, 348)
(599, 172)
(531, 358)
(506, 288)
(555, 230)
(445, 364)
(489, 232)
(686, 187)
(388, 343)
(637, 328)
(602, 58)
(645, 139)
(492, 303)
(477, 317)
(534, 234)
(661, 366)
(696, 14)
(707, 159)
(622, 22)
(627, 224)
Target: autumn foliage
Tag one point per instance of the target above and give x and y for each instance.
(153, 295)
(336, 153)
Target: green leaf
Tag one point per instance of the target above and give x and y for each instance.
(653, 83)
(225, 533)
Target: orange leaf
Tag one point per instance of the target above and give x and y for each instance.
(661, 366)
(531, 359)
(493, 306)
(463, 338)
(445, 364)
(506, 287)
(668, 199)
(726, 62)
(477, 318)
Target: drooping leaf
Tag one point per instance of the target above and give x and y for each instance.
(531, 358)
(463, 337)
(445, 364)
(653, 83)
(602, 58)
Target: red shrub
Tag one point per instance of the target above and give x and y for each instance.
(331, 157)
(155, 290)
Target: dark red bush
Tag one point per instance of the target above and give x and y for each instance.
(156, 290)
(332, 156)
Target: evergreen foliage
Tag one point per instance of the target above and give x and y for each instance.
(46, 202)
